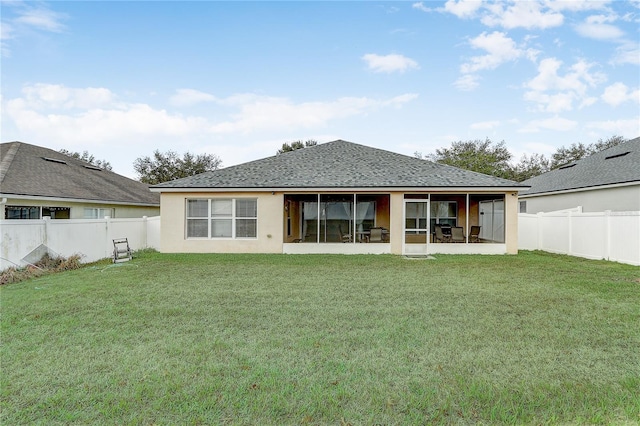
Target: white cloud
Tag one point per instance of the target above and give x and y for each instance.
(463, 8)
(188, 97)
(467, 82)
(21, 17)
(77, 115)
(521, 14)
(599, 31)
(420, 6)
(565, 89)
(627, 128)
(627, 53)
(42, 19)
(485, 125)
(556, 123)
(500, 49)
(389, 63)
(619, 93)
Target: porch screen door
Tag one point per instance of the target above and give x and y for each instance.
(416, 226)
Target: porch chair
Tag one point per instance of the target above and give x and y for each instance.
(441, 236)
(457, 235)
(345, 238)
(121, 250)
(474, 234)
(376, 235)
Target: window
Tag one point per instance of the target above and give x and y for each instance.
(94, 213)
(222, 218)
(444, 213)
(21, 212)
(523, 206)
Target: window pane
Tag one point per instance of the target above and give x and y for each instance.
(197, 228)
(246, 208)
(246, 228)
(452, 209)
(197, 208)
(221, 228)
(221, 208)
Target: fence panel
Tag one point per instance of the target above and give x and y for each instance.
(91, 238)
(607, 235)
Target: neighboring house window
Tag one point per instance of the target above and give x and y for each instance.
(93, 213)
(523, 206)
(21, 212)
(57, 212)
(444, 213)
(222, 218)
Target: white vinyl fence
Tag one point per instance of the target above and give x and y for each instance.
(91, 238)
(605, 235)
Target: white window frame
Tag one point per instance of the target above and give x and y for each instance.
(210, 218)
(97, 212)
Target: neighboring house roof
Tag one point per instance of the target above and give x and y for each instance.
(616, 165)
(30, 170)
(338, 164)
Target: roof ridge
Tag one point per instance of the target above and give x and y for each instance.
(8, 159)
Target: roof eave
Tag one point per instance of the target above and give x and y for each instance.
(348, 188)
(76, 200)
(581, 189)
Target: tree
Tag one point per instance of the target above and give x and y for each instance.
(478, 156)
(85, 156)
(164, 167)
(530, 166)
(577, 151)
(292, 146)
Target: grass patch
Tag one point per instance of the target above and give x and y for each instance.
(284, 339)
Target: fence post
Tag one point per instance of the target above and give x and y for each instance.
(540, 231)
(145, 225)
(47, 224)
(607, 234)
(107, 230)
(570, 245)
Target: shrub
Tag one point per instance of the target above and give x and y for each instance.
(46, 265)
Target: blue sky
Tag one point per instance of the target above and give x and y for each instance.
(237, 79)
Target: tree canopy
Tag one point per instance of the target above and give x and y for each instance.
(482, 156)
(85, 156)
(163, 167)
(495, 159)
(292, 146)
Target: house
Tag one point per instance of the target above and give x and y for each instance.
(37, 182)
(337, 197)
(606, 180)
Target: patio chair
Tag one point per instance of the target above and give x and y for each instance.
(376, 235)
(474, 234)
(345, 238)
(457, 234)
(441, 236)
(121, 250)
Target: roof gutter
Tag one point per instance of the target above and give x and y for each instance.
(587, 188)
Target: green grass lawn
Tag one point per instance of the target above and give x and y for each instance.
(312, 339)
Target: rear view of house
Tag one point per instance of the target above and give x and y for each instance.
(339, 197)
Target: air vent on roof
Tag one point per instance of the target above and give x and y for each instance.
(92, 167)
(54, 160)
(568, 166)
(622, 154)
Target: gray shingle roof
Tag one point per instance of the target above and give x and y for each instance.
(25, 170)
(338, 164)
(595, 170)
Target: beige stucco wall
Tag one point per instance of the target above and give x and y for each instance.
(77, 208)
(271, 224)
(173, 220)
